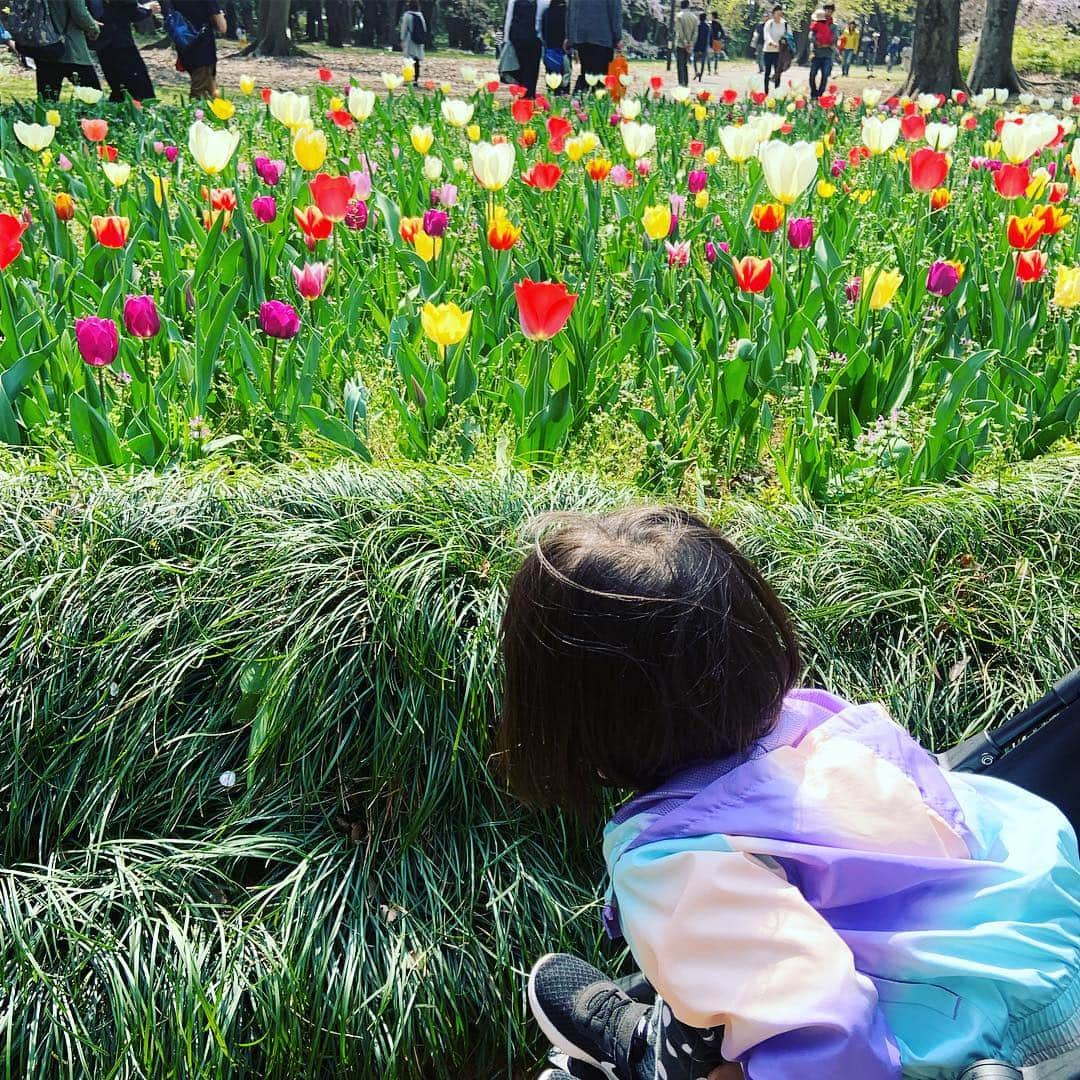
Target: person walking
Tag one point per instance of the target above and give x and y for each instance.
(870, 53)
(199, 59)
(718, 38)
(552, 14)
(76, 63)
(892, 54)
(520, 28)
(823, 44)
(702, 45)
(121, 62)
(773, 33)
(594, 32)
(757, 46)
(686, 28)
(849, 45)
(414, 36)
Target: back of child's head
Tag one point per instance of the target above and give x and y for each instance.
(635, 643)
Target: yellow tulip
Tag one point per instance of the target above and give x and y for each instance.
(422, 137)
(445, 324)
(991, 148)
(712, 155)
(862, 195)
(446, 88)
(701, 199)
(825, 190)
(117, 172)
(336, 104)
(899, 154)
(1039, 179)
(819, 148)
(309, 149)
(883, 284)
(591, 141)
(407, 72)
(427, 247)
(247, 85)
(473, 131)
(1067, 287)
(575, 148)
(657, 222)
(222, 108)
(700, 112)
(52, 118)
(46, 158)
(161, 188)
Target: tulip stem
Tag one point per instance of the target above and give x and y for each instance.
(101, 391)
(273, 371)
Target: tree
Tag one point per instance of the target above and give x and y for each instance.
(935, 48)
(993, 65)
(272, 36)
(338, 23)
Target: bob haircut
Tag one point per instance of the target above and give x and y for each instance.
(635, 643)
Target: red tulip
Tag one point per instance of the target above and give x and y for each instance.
(325, 74)
(1012, 181)
(314, 224)
(1030, 265)
(110, 232)
(1024, 232)
(522, 110)
(559, 127)
(928, 169)
(729, 96)
(543, 176)
(752, 275)
(544, 308)
(265, 93)
(11, 230)
(332, 194)
(913, 127)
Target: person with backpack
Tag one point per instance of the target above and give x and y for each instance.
(520, 29)
(54, 33)
(823, 39)
(414, 37)
(719, 41)
(553, 39)
(196, 46)
(702, 44)
(121, 62)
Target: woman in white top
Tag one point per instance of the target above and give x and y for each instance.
(414, 35)
(773, 33)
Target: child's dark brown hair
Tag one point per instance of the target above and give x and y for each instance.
(635, 643)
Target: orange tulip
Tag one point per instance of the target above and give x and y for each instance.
(1030, 265)
(1024, 232)
(64, 205)
(502, 232)
(928, 169)
(768, 217)
(527, 137)
(314, 224)
(752, 275)
(940, 198)
(111, 232)
(598, 169)
(95, 130)
(1053, 219)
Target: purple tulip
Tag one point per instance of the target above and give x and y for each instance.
(141, 317)
(697, 180)
(264, 207)
(942, 278)
(800, 232)
(98, 340)
(356, 215)
(1051, 168)
(435, 222)
(279, 320)
(838, 166)
(270, 171)
(711, 254)
(171, 153)
(853, 288)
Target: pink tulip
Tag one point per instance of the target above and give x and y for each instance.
(711, 253)
(697, 180)
(678, 205)
(361, 183)
(800, 232)
(643, 166)
(199, 114)
(279, 320)
(447, 195)
(310, 283)
(65, 163)
(264, 207)
(853, 288)
(141, 317)
(356, 215)
(159, 147)
(171, 153)
(270, 171)
(98, 340)
(678, 254)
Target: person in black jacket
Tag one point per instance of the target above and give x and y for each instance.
(121, 62)
(522, 30)
(553, 38)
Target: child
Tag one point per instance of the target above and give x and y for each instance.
(808, 892)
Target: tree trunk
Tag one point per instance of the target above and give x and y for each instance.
(337, 22)
(993, 65)
(272, 37)
(935, 49)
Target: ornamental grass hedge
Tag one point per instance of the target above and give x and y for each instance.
(249, 825)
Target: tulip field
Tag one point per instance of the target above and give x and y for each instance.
(691, 290)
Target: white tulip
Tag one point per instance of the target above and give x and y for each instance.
(982, 99)
(211, 148)
(941, 136)
(432, 168)
(626, 79)
(1046, 103)
(680, 94)
(592, 78)
(117, 172)
(1026, 99)
(88, 95)
(391, 80)
(361, 103)
(927, 102)
(789, 168)
(1075, 155)
(630, 108)
(34, 136)
(468, 74)
(639, 139)
(457, 113)
(553, 80)
(871, 95)
(740, 142)
(493, 164)
(289, 108)
(1001, 95)
(880, 135)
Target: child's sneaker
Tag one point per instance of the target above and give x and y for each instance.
(562, 1066)
(586, 1015)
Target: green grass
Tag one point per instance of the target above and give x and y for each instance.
(1039, 50)
(364, 901)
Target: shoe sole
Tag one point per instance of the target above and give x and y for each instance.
(554, 1036)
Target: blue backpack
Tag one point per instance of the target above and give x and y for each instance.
(182, 34)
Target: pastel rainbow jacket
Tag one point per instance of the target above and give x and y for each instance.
(848, 910)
